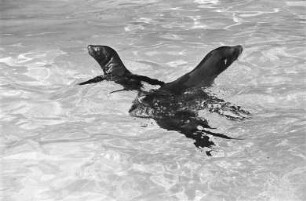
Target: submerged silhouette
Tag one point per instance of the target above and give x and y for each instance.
(175, 105)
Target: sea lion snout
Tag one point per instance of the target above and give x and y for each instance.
(234, 52)
(239, 48)
(92, 49)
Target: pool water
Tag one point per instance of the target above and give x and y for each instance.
(61, 141)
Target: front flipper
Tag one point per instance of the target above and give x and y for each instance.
(147, 80)
(99, 78)
(134, 82)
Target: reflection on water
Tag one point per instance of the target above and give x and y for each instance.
(64, 142)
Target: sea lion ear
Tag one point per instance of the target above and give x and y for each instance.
(225, 61)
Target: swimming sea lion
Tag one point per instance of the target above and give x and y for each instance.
(172, 109)
(214, 63)
(114, 69)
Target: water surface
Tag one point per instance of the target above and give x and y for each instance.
(67, 142)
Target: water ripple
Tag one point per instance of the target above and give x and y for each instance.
(66, 142)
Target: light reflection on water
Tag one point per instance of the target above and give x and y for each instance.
(65, 142)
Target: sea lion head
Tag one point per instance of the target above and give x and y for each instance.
(222, 57)
(108, 59)
(214, 63)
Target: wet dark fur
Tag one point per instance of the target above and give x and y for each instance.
(175, 105)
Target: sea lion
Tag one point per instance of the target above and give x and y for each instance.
(114, 69)
(214, 63)
(171, 95)
(176, 105)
